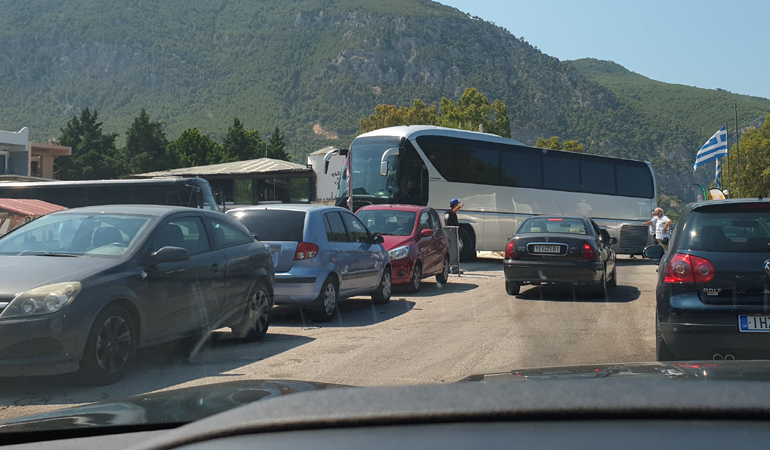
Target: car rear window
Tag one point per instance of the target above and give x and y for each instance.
(552, 225)
(733, 228)
(274, 225)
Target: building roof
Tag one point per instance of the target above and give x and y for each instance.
(323, 151)
(28, 207)
(260, 165)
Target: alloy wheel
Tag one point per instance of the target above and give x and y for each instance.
(113, 344)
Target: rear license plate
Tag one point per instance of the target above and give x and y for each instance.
(754, 324)
(547, 249)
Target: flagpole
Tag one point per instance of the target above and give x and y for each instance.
(727, 160)
(737, 149)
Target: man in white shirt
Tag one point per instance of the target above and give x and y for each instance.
(661, 223)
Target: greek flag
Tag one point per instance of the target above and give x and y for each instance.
(718, 175)
(712, 149)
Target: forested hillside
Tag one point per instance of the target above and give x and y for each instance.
(315, 68)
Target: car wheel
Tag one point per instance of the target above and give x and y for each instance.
(600, 290)
(614, 280)
(443, 277)
(256, 317)
(324, 307)
(110, 346)
(416, 278)
(466, 248)
(662, 352)
(512, 287)
(382, 294)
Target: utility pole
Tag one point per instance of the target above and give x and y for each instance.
(737, 149)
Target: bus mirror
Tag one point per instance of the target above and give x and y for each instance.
(384, 168)
(328, 157)
(326, 167)
(384, 161)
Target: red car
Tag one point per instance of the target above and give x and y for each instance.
(415, 239)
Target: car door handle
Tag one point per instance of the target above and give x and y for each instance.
(215, 267)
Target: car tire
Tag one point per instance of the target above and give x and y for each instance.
(467, 248)
(323, 308)
(600, 290)
(256, 316)
(662, 352)
(414, 285)
(614, 280)
(110, 347)
(382, 294)
(443, 277)
(512, 287)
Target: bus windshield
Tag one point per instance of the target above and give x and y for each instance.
(366, 181)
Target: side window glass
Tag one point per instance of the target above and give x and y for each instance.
(335, 230)
(435, 221)
(424, 221)
(226, 235)
(187, 233)
(357, 230)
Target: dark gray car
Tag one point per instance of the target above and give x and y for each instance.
(84, 288)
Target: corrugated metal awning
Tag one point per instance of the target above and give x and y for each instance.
(28, 207)
(260, 165)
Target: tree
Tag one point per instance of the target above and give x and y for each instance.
(473, 112)
(240, 144)
(192, 148)
(390, 116)
(276, 146)
(554, 143)
(754, 165)
(146, 146)
(93, 152)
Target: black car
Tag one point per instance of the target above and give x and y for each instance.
(569, 251)
(82, 289)
(713, 289)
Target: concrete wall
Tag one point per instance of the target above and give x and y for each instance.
(18, 148)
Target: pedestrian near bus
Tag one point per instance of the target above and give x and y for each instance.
(450, 220)
(662, 225)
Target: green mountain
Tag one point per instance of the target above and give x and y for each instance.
(316, 67)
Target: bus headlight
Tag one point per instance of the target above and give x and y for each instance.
(399, 253)
(43, 300)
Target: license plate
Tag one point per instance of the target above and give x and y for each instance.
(754, 324)
(547, 249)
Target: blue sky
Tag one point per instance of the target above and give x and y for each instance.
(708, 44)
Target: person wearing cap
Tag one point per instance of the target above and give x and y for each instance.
(450, 217)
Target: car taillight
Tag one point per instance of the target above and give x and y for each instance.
(305, 250)
(688, 269)
(510, 250)
(588, 252)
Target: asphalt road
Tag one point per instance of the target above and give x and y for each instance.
(442, 334)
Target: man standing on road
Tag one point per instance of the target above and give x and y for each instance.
(450, 220)
(661, 223)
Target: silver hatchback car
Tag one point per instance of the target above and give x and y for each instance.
(321, 254)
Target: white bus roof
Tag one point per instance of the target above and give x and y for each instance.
(413, 131)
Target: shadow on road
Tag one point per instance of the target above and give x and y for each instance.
(620, 294)
(351, 312)
(636, 262)
(154, 368)
(432, 289)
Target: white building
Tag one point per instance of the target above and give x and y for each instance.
(326, 183)
(21, 158)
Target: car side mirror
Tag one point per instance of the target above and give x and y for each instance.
(653, 252)
(378, 239)
(426, 232)
(170, 254)
(254, 235)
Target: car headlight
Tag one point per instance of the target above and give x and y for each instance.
(42, 300)
(398, 253)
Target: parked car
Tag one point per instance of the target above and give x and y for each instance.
(321, 254)
(83, 289)
(713, 290)
(560, 250)
(415, 239)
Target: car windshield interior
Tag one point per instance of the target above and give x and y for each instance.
(727, 232)
(554, 225)
(388, 222)
(101, 235)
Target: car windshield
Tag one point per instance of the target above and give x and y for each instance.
(552, 225)
(210, 203)
(99, 235)
(388, 222)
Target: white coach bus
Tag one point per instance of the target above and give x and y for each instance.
(500, 181)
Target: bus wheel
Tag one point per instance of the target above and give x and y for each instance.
(467, 246)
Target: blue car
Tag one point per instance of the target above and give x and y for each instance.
(321, 254)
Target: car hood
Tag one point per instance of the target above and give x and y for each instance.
(392, 242)
(21, 273)
(702, 371)
(172, 407)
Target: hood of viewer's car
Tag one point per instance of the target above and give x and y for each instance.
(21, 273)
(173, 407)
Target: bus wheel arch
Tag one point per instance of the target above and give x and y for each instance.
(468, 242)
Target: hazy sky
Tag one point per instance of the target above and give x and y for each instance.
(704, 43)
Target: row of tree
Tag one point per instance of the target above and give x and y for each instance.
(95, 154)
(754, 164)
